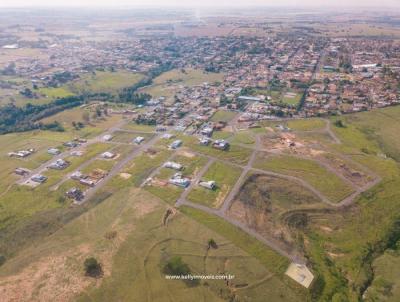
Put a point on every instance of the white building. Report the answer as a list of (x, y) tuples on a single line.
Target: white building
[(173, 165)]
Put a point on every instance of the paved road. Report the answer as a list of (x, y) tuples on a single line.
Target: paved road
[(155, 172), (272, 243), (82, 166), (194, 182), (235, 190), (118, 167), (63, 155)]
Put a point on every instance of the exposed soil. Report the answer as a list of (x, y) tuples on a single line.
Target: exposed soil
[(263, 200)]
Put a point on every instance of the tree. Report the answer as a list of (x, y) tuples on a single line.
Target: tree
[(2, 260), (212, 244), (98, 111), (340, 124), (92, 267), (175, 266)]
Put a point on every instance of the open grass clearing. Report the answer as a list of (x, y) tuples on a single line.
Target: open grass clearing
[(223, 116)]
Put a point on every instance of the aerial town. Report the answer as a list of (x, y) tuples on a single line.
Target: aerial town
[(228, 155)]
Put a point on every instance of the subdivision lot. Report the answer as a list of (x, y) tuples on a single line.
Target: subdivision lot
[(170, 193), (223, 116), (329, 184), (225, 177)]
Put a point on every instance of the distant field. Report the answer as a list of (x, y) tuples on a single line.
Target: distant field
[(100, 81), (335, 189), (223, 116), (95, 127), (236, 154), (168, 83), (53, 93), (306, 124), (140, 128), (105, 81), (225, 176), (291, 98)]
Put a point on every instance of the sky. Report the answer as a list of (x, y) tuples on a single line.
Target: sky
[(197, 3)]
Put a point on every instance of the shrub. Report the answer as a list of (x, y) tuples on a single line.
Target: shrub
[(92, 267), (175, 266)]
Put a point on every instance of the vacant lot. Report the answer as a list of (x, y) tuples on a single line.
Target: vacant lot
[(168, 83), (223, 116), (105, 81), (268, 205), (326, 182), (307, 124)]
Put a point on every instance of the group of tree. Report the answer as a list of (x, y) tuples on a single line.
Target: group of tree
[(18, 119), (130, 94)]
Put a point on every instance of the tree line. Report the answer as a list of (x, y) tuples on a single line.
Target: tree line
[(19, 119)]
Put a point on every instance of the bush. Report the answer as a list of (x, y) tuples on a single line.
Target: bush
[(212, 244), (175, 266), (340, 124), (92, 267)]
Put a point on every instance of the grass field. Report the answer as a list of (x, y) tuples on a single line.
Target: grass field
[(272, 261), (225, 176), (54, 93), (223, 116), (171, 193), (105, 81), (385, 286), (139, 128), (335, 189), (222, 135), (243, 137), (167, 84), (235, 154), (95, 126), (343, 245), (127, 137), (112, 232), (307, 124)]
